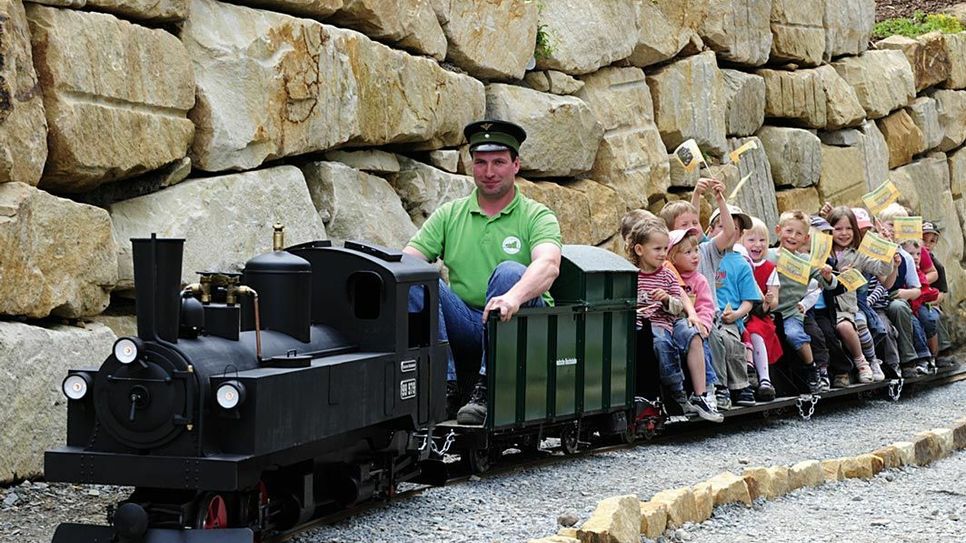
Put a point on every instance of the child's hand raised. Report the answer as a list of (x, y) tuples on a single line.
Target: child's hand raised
[(827, 273), (703, 185)]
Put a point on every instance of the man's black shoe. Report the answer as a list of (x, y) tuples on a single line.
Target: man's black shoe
[(474, 412)]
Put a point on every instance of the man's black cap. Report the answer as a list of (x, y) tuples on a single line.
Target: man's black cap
[(493, 135)]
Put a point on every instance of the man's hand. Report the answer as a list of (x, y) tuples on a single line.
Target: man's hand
[(506, 305)]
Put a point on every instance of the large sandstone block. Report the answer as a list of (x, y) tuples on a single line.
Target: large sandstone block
[(843, 179), (925, 115), (739, 31), (116, 97), (357, 206), (903, 137), (757, 195), (562, 132), (795, 155), (154, 11), (571, 207), (883, 80), (745, 96), (956, 53), (681, 506), (606, 207), (926, 55), (225, 220), (23, 126), (957, 172), (951, 106), (798, 31), (689, 102), (615, 520), (654, 518), (729, 488), (875, 151), (310, 8), (410, 24), (631, 158), (848, 29), (587, 34), (311, 88), (665, 28), (423, 188), (34, 415), (59, 257), (806, 199), (925, 188), (816, 98), (501, 52)]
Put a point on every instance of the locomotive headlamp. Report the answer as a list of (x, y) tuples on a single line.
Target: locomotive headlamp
[(230, 394), (76, 385), (126, 350)]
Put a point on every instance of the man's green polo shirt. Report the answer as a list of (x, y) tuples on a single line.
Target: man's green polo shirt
[(472, 244)]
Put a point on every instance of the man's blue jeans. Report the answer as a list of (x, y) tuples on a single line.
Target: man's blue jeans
[(461, 324)]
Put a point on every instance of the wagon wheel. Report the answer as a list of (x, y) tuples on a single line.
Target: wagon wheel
[(568, 439), (628, 436), (212, 512), (477, 460)]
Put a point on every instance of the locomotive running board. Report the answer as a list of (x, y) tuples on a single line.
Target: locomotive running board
[(88, 533)]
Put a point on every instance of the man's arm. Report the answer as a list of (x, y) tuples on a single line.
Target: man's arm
[(412, 251), (543, 269)]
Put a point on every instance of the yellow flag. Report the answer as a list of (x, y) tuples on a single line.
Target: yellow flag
[(793, 267), (689, 155), (745, 147), (881, 197), (852, 279), (907, 228), (821, 248), (875, 247)]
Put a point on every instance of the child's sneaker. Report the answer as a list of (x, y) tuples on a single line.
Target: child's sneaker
[(722, 398), (766, 392), (814, 378), (877, 374), (841, 381), (680, 398), (745, 397), (865, 372), (922, 367), (704, 410), (711, 400), (824, 384)]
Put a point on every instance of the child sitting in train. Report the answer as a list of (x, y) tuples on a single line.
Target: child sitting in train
[(930, 237), (923, 307), (659, 297), (737, 293), (760, 332), (848, 319), (793, 236)]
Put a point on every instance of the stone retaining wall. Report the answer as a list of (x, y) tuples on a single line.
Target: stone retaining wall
[(211, 120)]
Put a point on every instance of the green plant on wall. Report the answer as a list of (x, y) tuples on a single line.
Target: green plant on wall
[(544, 47), (917, 25)]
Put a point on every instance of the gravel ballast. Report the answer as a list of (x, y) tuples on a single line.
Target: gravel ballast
[(524, 504)]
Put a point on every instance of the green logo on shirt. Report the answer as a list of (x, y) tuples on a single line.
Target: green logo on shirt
[(511, 245)]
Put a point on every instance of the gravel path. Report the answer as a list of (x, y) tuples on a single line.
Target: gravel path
[(921, 505), (525, 504)]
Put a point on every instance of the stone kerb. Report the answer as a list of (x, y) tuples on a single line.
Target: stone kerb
[(310, 88), (23, 125), (116, 97)]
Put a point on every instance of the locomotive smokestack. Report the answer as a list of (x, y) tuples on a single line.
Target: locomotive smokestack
[(157, 283)]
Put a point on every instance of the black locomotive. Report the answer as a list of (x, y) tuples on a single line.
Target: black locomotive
[(253, 402)]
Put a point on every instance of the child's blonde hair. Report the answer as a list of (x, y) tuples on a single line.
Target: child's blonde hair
[(891, 212), (914, 243), (690, 240), (633, 217), (639, 235), (758, 226), (672, 210), (794, 215)]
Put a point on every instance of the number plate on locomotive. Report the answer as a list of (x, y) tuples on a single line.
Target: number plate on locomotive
[(407, 389)]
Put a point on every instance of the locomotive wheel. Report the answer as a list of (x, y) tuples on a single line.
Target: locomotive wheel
[(568, 440), (212, 512)]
